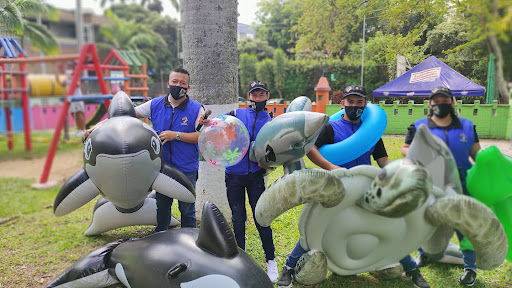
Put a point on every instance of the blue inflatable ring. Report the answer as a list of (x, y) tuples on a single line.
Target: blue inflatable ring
[(374, 124)]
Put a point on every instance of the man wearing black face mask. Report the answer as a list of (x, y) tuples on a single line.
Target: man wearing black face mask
[(460, 136), (354, 102), (175, 117), (247, 175)]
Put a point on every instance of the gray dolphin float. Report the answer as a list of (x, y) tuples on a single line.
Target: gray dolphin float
[(288, 137), (122, 164), (365, 218), (187, 257)]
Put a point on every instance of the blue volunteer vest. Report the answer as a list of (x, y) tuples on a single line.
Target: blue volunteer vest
[(458, 139), (344, 129), (253, 121), (184, 156)]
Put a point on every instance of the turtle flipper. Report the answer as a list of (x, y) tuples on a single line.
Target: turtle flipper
[(92, 270), (76, 192), (302, 186), (392, 271), (476, 222), (435, 156), (311, 268), (174, 184)]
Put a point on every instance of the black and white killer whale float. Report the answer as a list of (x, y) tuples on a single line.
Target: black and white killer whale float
[(184, 257), (122, 163)]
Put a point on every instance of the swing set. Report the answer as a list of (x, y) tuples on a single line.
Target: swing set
[(87, 60)]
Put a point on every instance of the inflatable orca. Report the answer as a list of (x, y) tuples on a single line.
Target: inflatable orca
[(186, 257), (122, 164)]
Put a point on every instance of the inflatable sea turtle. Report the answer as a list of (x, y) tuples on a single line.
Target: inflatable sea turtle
[(366, 218)]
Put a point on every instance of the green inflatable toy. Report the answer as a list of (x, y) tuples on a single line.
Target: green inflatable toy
[(490, 181)]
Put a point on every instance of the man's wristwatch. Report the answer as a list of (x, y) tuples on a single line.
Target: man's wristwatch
[(178, 136)]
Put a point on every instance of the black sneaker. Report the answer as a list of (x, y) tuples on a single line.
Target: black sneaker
[(286, 279), (422, 260), (468, 278), (416, 278)]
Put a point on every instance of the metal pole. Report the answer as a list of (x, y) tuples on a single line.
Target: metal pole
[(362, 57), (79, 28), (42, 65)]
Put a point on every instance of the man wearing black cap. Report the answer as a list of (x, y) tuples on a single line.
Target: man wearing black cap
[(354, 102), (247, 175), (460, 136)]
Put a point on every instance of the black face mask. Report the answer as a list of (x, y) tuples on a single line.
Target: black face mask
[(259, 106), (354, 112), (442, 110), (177, 92)]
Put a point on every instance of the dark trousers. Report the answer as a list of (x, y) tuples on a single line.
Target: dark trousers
[(187, 210), (236, 185)]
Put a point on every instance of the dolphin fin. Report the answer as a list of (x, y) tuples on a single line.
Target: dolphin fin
[(76, 192), (173, 183), (91, 270), (215, 235)]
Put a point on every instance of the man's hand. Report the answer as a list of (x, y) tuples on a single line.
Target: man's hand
[(167, 135)]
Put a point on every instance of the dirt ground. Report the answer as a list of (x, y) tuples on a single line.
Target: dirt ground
[(67, 163)]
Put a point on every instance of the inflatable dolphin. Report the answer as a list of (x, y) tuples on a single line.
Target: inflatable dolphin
[(186, 257), (287, 137), (122, 164)]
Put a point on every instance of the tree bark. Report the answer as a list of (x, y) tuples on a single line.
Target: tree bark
[(210, 55), (501, 84)]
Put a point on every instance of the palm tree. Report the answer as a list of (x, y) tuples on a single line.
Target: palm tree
[(131, 35), (210, 55), (13, 24), (154, 3)]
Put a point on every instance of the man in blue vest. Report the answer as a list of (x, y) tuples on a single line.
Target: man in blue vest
[(354, 103), (247, 175), (175, 117), (460, 136)]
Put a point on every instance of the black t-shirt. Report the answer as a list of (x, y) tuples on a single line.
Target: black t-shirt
[(411, 130), (327, 137)]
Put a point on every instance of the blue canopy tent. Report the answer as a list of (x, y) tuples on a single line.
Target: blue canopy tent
[(422, 78)]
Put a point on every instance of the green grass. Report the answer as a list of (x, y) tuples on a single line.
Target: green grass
[(36, 246)]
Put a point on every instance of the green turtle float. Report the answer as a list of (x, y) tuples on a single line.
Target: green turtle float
[(365, 218)]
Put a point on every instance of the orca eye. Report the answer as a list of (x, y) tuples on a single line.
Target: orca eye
[(155, 144), (88, 149)]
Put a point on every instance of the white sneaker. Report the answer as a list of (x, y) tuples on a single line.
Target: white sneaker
[(272, 270), (79, 133)]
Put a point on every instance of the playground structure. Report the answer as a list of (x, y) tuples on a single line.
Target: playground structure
[(15, 87), (88, 61)]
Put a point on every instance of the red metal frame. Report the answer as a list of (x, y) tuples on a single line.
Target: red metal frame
[(88, 49)]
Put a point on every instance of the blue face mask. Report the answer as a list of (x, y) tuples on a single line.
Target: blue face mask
[(259, 106), (177, 92)]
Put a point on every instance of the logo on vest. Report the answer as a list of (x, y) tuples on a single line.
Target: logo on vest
[(463, 137), (184, 121)]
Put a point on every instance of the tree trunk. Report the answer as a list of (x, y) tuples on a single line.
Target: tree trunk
[(210, 55), (501, 84)]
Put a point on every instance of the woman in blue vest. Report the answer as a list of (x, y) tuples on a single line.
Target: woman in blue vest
[(247, 175), (460, 136), (175, 117), (354, 102)]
